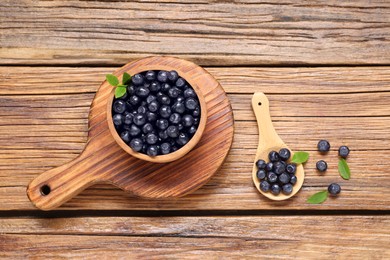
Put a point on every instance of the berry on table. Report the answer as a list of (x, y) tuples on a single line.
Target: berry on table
[(321, 166), (334, 189), (343, 151), (323, 146)]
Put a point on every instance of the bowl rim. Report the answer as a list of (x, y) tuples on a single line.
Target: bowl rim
[(171, 156)]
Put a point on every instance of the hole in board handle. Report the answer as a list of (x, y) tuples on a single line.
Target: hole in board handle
[(45, 190), (259, 103)]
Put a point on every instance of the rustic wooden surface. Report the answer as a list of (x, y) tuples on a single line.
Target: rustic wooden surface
[(54, 55)]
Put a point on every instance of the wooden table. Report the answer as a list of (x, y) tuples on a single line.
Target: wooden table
[(323, 65)]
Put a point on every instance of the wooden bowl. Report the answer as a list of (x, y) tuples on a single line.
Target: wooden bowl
[(156, 65)]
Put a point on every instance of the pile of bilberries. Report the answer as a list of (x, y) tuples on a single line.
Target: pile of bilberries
[(158, 114), (277, 175)]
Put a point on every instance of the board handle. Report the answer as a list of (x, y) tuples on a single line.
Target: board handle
[(267, 134), (58, 185)]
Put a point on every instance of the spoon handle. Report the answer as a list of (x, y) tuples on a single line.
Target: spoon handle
[(267, 135)]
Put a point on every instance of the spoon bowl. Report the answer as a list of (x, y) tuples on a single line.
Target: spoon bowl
[(269, 141)]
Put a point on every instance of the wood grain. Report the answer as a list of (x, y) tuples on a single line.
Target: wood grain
[(207, 32), (40, 130), (106, 159), (309, 237)]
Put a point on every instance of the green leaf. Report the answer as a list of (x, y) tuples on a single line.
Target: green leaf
[(318, 198), (113, 80), (344, 171), (122, 86), (120, 91), (126, 78), (300, 157)]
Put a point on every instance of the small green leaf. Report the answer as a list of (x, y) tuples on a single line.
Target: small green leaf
[(318, 198), (120, 91), (122, 86), (300, 157), (126, 78), (344, 171), (113, 80)]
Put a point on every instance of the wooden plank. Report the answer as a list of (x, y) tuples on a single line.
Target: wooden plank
[(210, 33), (40, 130), (317, 237), (237, 80)]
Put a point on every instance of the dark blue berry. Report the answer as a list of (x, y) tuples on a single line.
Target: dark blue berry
[(284, 154), (174, 92), (192, 130), (165, 87), (178, 107), (147, 128), (136, 144), (180, 82), (187, 120), (173, 76), (196, 121), (261, 174), (151, 138), (261, 164), (279, 168), (137, 79), (334, 189), (152, 150), (273, 156), (269, 166), (293, 179), (150, 98), (191, 103), (134, 100), (119, 106), (272, 177), (182, 139), (275, 189), (150, 75), (164, 99), (128, 118), (130, 90), (142, 92), (284, 178), (291, 168), (196, 112), (175, 118), (153, 106), (180, 126), (162, 124), (321, 166), (139, 119), (165, 111), (173, 131), (265, 186), (287, 189), (323, 146), (125, 135), (165, 148), (163, 134), (152, 117), (117, 119), (155, 86), (189, 92), (134, 130), (141, 110), (162, 76), (343, 151)]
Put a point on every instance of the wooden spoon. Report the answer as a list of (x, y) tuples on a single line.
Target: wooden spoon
[(269, 141)]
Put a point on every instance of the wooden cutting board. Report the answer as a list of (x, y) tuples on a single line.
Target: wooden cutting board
[(104, 161)]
